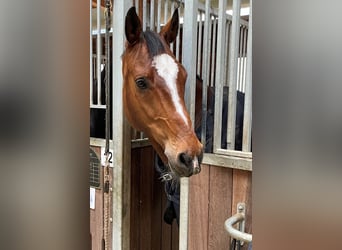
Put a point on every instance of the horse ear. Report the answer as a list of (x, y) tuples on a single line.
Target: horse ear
[(133, 27), (170, 30)]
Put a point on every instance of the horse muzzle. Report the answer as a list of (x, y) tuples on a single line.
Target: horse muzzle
[(186, 165)]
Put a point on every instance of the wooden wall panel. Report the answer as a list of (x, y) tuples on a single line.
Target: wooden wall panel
[(146, 180), (148, 230), (96, 225), (156, 208), (220, 202), (166, 230), (213, 198), (242, 192), (96, 215), (96, 220), (175, 236), (198, 210), (135, 200)]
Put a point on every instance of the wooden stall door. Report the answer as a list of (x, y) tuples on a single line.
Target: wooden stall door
[(148, 200), (213, 197)]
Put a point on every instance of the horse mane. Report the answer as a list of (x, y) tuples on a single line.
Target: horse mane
[(154, 44)]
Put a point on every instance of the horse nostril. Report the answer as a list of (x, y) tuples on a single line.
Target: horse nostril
[(185, 159)]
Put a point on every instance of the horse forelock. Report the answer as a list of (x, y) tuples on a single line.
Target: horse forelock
[(155, 45)]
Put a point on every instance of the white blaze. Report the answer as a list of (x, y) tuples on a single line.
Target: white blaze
[(167, 68)]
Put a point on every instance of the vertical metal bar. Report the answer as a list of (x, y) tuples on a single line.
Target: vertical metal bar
[(244, 58), (121, 133), (172, 10), (199, 43), (229, 41), (225, 77), (144, 19), (219, 74), (91, 54), (189, 57), (152, 15), (159, 16), (107, 65), (137, 6), (172, 7), (239, 86), (214, 43), (247, 119), (165, 11), (94, 76), (206, 64), (98, 51), (234, 46), (178, 45)]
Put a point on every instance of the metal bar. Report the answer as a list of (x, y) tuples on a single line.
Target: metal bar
[(213, 11), (144, 19), (172, 10), (159, 15), (136, 4), (244, 58), (152, 15), (234, 233), (172, 7), (239, 86), (98, 50), (219, 75), (121, 133), (247, 119), (225, 78), (233, 75), (98, 106), (178, 45), (94, 76), (189, 50), (107, 68), (189, 56), (241, 208), (91, 55), (199, 44), (206, 64), (241, 59), (165, 11), (214, 43)]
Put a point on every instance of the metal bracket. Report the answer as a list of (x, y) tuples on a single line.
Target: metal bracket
[(241, 208), (239, 217)]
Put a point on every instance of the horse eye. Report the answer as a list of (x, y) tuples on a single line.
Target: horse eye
[(141, 83)]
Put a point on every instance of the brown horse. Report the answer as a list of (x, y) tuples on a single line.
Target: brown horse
[(153, 95)]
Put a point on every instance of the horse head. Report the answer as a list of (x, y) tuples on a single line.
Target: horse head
[(153, 95)]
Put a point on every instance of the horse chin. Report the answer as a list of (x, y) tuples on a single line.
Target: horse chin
[(178, 171)]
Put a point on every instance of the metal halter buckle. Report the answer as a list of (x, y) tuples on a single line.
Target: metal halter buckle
[(166, 177)]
